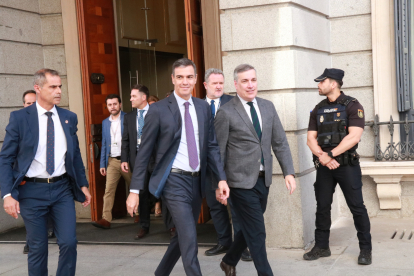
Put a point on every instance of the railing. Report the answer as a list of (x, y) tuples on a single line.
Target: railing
[(402, 150)]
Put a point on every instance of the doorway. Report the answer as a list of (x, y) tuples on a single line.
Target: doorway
[(129, 42)]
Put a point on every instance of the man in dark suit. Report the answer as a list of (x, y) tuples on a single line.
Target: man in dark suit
[(43, 173), (214, 84), (247, 129), (180, 129), (131, 140)]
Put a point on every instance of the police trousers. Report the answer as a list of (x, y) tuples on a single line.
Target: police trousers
[(349, 179)]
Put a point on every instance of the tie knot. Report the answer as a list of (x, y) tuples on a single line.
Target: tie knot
[(250, 103), (141, 112), (186, 104), (212, 101), (49, 114)]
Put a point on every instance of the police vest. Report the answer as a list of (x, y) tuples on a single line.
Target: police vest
[(332, 122)]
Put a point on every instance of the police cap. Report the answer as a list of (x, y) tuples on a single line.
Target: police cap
[(332, 73)]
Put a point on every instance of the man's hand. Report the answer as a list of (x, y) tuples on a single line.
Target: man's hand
[(102, 171), (88, 196), (324, 158), (124, 166), (223, 192), (333, 164), (11, 206), (290, 183), (132, 204)]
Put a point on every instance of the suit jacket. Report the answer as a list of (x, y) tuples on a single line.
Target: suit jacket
[(161, 136), (106, 139), (20, 146), (241, 148), (210, 179)]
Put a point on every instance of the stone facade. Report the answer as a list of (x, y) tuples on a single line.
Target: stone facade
[(31, 37)]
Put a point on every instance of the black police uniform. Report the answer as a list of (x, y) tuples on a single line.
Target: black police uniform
[(332, 120)]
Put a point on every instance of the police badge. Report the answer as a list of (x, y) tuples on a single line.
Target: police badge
[(321, 119), (360, 113)]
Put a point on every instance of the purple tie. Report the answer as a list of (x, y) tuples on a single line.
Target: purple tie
[(191, 143)]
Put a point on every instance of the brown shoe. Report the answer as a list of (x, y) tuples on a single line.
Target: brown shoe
[(172, 232), (228, 269), (141, 233), (102, 223), (136, 219)]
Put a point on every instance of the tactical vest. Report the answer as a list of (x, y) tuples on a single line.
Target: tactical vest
[(332, 122)]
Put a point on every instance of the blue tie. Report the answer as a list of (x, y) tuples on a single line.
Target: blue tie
[(140, 123), (50, 144), (213, 108)]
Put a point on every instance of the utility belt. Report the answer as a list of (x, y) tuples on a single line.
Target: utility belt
[(350, 158)]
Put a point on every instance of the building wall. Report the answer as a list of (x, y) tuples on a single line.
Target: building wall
[(31, 37)]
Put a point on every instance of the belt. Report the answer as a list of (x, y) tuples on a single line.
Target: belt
[(46, 180), (261, 174), (117, 158), (194, 174)]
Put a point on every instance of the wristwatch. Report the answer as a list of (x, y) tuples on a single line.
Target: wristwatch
[(330, 154)]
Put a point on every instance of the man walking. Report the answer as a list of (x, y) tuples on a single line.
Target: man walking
[(131, 141), (43, 173), (179, 132), (110, 165), (214, 83), (335, 128), (247, 129)]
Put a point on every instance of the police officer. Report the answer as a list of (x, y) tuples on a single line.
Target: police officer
[(335, 128)]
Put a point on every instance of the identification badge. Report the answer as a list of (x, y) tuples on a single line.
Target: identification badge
[(138, 141), (115, 145), (321, 119)]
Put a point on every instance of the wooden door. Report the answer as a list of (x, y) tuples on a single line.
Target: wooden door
[(98, 53), (195, 53)]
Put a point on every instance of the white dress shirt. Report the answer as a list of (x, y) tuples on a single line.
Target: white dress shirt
[(217, 103), (256, 107), (116, 136), (144, 114), (181, 160)]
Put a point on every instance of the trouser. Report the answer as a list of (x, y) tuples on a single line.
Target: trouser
[(113, 175), (221, 219), (349, 179), (182, 195), (38, 201), (249, 206)]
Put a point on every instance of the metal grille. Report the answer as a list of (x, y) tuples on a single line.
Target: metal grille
[(396, 150)]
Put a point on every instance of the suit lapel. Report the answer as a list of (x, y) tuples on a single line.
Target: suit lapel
[(33, 121), (242, 112), (134, 122), (64, 121), (200, 120), (173, 106)]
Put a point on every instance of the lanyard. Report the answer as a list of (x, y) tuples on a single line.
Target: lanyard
[(116, 129)]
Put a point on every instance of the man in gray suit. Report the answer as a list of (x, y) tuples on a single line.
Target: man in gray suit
[(247, 128)]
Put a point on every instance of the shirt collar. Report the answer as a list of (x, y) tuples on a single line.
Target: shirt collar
[(337, 99), (245, 102), (117, 119), (145, 108), (41, 110), (181, 101), (209, 100)]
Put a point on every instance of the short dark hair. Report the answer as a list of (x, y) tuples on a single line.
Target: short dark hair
[(113, 96), (183, 62), (141, 88), (40, 76), (240, 69), (28, 92), (339, 82)]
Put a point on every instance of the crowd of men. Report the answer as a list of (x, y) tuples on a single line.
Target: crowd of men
[(172, 153)]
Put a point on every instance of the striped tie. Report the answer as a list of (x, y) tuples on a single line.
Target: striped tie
[(50, 144)]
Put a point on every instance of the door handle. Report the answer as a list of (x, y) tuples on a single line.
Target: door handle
[(97, 150)]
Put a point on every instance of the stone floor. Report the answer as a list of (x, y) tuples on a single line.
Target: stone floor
[(390, 256)]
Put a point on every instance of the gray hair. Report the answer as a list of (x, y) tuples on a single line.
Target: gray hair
[(183, 62), (40, 76), (242, 68), (211, 71)]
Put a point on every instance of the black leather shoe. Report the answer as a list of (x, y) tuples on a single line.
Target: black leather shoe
[(50, 233), (365, 257), (26, 249), (246, 256), (316, 253), (228, 269), (216, 250)]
